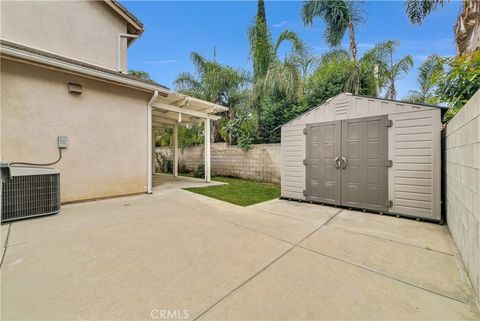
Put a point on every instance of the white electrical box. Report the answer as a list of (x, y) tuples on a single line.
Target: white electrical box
[(62, 141)]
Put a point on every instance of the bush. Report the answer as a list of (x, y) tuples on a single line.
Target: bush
[(182, 168), (165, 163), (200, 171), (459, 82)]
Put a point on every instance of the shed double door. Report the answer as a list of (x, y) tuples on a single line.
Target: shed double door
[(346, 163)]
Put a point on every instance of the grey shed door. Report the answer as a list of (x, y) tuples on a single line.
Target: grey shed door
[(323, 146), (364, 182)]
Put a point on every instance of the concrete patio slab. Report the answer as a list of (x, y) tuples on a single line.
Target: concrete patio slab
[(167, 183), (430, 270), (281, 227), (179, 251), (174, 259), (422, 234), (82, 217), (298, 210), (308, 286)]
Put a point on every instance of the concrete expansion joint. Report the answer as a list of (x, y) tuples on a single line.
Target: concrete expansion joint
[(394, 241), (384, 275), (5, 246), (294, 245)]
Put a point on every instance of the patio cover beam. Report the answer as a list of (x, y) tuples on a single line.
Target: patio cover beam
[(185, 111)]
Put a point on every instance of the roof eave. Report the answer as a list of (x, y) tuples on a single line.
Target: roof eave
[(128, 16)]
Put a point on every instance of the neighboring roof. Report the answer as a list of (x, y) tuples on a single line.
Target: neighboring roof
[(443, 108), (127, 15), (12, 45)]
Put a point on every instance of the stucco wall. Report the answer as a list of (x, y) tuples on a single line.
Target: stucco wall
[(84, 30), (106, 126), (462, 184), (261, 162)]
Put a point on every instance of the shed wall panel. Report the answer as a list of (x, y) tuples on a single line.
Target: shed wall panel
[(293, 153), (414, 148)]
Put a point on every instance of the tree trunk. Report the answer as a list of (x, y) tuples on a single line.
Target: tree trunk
[(467, 28), (353, 44)]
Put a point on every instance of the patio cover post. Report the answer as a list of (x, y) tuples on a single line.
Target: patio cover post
[(207, 150), (175, 150), (149, 149)]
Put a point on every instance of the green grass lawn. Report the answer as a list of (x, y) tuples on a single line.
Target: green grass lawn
[(239, 191)]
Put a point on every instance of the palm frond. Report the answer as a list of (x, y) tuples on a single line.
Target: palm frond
[(417, 10), (402, 66), (286, 35)]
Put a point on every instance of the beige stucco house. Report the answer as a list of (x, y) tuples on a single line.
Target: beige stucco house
[(63, 73)]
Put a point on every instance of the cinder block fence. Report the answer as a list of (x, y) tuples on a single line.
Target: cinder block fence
[(461, 142), (260, 163)]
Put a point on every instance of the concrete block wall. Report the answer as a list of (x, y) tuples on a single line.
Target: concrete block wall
[(261, 162), (462, 184)]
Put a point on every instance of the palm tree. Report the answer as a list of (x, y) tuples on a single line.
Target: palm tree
[(284, 75), (339, 16), (417, 10), (217, 83), (213, 82), (426, 81), (260, 43), (270, 73), (388, 70), (467, 21)]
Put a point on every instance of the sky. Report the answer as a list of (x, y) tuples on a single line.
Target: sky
[(173, 29)]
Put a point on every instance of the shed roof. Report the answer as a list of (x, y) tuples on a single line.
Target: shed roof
[(361, 96)]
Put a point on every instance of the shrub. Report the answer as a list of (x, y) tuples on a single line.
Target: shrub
[(165, 163), (459, 82), (200, 171), (182, 168)]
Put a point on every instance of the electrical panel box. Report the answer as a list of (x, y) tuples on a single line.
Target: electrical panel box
[(62, 141)]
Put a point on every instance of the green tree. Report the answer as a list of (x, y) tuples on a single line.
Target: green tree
[(459, 82), (428, 70), (217, 83), (260, 43), (140, 74), (417, 10), (213, 82), (333, 77), (270, 73), (389, 70), (339, 16)]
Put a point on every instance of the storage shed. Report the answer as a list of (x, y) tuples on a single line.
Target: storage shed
[(366, 153)]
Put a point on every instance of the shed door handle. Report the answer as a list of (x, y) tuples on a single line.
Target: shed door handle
[(344, 162), (336, 161)]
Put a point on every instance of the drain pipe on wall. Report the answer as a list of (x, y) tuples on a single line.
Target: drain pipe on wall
[(119, 49), (149, 142)]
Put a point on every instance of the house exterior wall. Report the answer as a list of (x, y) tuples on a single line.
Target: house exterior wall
[(424, 119), (462, 184), (82, 30), (100, 123)]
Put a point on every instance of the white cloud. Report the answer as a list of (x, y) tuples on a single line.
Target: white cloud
[(282, 24), (159, 62), (366, 45)]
